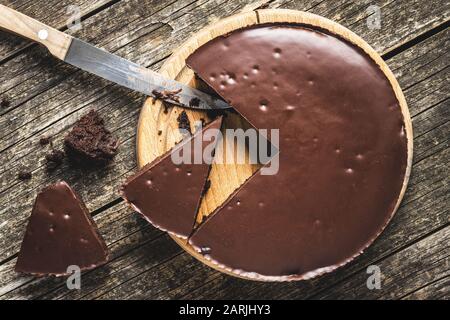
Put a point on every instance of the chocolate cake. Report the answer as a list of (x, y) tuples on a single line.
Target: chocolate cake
[(89, 142), (60, 233), (54, 159), (343, 151), (168, 194)]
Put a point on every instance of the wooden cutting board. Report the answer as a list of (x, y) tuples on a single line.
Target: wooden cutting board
[(158, 126)]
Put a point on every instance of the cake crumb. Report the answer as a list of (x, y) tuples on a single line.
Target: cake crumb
[(24, 175)]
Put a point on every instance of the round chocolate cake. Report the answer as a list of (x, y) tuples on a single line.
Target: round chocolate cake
[(343, 151)]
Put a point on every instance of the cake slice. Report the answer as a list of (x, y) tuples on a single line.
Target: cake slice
[(168, 194), (60, 233)]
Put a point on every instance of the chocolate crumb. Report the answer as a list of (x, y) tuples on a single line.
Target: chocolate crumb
[(194, 102), (183, 122), (156, 95), (264, 5), (54, 159), (199, 124), (214, 113), (44, 141), (5, 103), (159, 132), (24, 175), (89, 142)]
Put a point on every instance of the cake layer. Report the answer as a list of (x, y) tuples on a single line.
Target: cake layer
[(343, 151)]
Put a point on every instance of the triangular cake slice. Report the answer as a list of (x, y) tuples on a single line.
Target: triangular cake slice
[(168, 194), (343, 155), (60, 233)]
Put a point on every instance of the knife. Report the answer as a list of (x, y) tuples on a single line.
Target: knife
[(107, 65)]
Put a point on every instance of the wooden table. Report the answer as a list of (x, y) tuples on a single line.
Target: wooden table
[(47, 96)]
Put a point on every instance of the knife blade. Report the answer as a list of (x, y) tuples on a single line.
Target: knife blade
[(106, 65), (138, 78)]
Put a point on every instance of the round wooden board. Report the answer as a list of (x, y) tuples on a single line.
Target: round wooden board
[(158, 128)]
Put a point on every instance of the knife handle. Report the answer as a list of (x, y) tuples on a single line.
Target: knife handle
[(57, 42)]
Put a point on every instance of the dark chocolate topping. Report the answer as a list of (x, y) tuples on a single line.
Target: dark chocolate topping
[(60, 233), (24, 175), (343, 151), (168, 194)]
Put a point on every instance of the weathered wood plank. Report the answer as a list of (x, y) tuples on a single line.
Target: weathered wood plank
[(322, 8), (197, 271)]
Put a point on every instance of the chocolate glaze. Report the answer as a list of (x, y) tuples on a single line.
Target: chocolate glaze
[(168, 195), (60, 233), (343, 151)]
